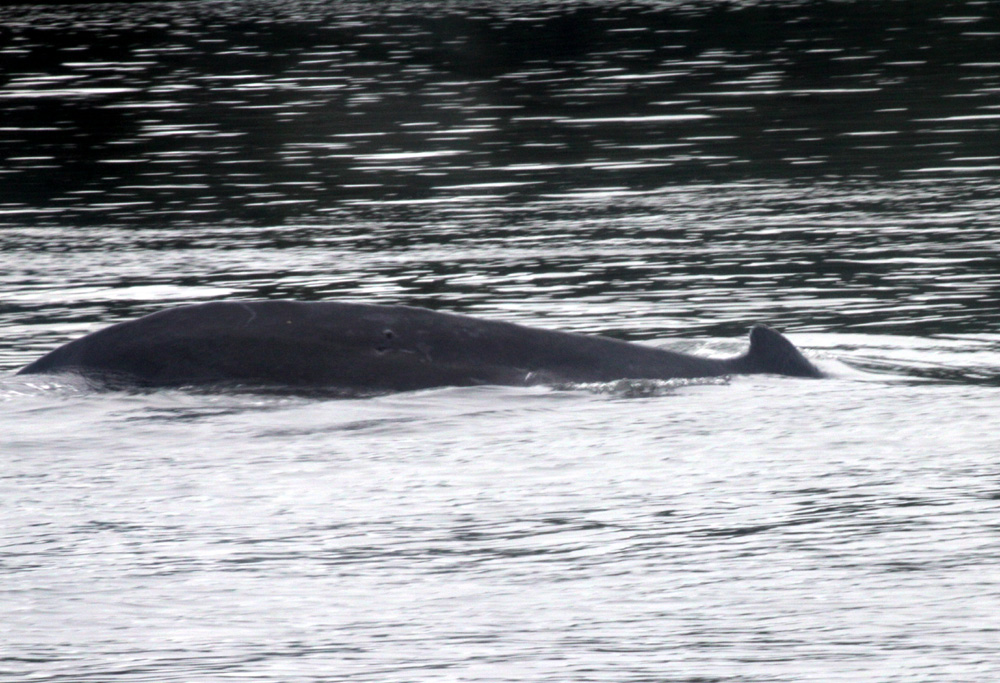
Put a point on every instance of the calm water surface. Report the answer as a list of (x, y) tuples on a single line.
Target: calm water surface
[(668, 173)]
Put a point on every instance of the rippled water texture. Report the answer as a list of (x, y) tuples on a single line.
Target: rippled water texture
[(276, 110), (663, 172)]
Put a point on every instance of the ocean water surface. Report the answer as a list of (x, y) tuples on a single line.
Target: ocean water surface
[(668, 173)]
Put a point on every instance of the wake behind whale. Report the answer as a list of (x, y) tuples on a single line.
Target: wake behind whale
[(366, 348)]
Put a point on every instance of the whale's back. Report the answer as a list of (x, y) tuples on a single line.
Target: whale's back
[(365, 347)]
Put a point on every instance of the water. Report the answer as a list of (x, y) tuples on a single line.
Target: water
[(668, 173)]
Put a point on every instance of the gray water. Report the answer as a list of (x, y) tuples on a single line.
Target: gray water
[(668, 173)]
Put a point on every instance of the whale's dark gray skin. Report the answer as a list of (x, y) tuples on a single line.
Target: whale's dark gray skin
[(364, 348)]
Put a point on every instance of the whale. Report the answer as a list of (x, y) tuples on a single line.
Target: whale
[(360, 348)]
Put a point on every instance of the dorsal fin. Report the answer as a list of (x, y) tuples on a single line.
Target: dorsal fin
[(771, 352)]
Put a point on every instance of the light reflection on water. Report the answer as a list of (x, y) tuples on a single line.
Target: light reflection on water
[(409, 535), (288, 110), (698, 260)]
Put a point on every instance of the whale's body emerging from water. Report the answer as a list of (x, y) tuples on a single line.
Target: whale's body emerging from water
[(363, 348)]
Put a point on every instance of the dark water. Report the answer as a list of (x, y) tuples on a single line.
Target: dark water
[(666, 172), (279, 111)]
